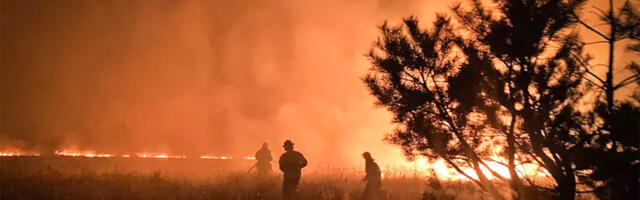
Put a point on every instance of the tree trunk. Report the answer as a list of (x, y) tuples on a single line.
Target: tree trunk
[(511, 151), (566, 188), (612, 40), (564, 177)]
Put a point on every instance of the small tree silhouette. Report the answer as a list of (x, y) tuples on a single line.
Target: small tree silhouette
[(506, 79), (410, 76)]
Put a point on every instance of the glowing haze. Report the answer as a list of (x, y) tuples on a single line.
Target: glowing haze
[(195, 77)]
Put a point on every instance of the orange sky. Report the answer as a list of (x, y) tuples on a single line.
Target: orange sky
[(195, 77)]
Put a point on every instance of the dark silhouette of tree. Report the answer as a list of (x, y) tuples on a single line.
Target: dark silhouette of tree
[(410, 75), (615, 139), (623, 26), (540, 65), (508, 78)]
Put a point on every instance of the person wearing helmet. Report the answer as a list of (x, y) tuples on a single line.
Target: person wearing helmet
[(263, 161), (372, 188), (291, 164)]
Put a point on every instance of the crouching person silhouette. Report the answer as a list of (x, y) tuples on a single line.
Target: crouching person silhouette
[(372, 189), (291, 164)]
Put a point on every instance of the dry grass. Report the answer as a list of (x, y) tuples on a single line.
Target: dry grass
[(45, 179)]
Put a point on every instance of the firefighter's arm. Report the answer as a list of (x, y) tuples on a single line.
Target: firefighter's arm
[(281, 164), (303, 161)]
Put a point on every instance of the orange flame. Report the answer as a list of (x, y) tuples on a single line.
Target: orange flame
[(94, 154), (87, 154), (160, 156), (209, 157), (442, 170), (18, 153)]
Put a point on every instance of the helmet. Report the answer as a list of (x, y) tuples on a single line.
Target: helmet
[(367, 155), (287, 143)]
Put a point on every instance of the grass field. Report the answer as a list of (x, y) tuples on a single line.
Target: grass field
[(91, 178)]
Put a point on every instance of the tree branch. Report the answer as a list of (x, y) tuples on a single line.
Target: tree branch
[(595, 42), (455, 166), (627, 81), (594, 83), (590, 28), (493, 172), (587, 69)]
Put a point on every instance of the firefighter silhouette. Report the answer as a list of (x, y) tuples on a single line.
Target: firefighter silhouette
[(291, 164), (372, 188), (263, 161)]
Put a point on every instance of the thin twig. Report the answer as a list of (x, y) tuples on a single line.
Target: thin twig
[(627, 81), (590, 28), (596, 42), (587, 69)]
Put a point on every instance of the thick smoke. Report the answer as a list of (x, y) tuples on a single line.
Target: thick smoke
[(194, 77)]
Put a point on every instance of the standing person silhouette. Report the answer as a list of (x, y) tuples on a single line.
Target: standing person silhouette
[(372, 188), (263, 161), (291, 164)]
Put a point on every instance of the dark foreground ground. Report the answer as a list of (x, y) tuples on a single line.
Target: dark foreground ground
[(119, 178)]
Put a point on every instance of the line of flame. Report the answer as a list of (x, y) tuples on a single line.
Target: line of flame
[(421, 164), (11, 154), (92, 154)]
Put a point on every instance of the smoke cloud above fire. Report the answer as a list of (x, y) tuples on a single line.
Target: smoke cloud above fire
[(196, 77)]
